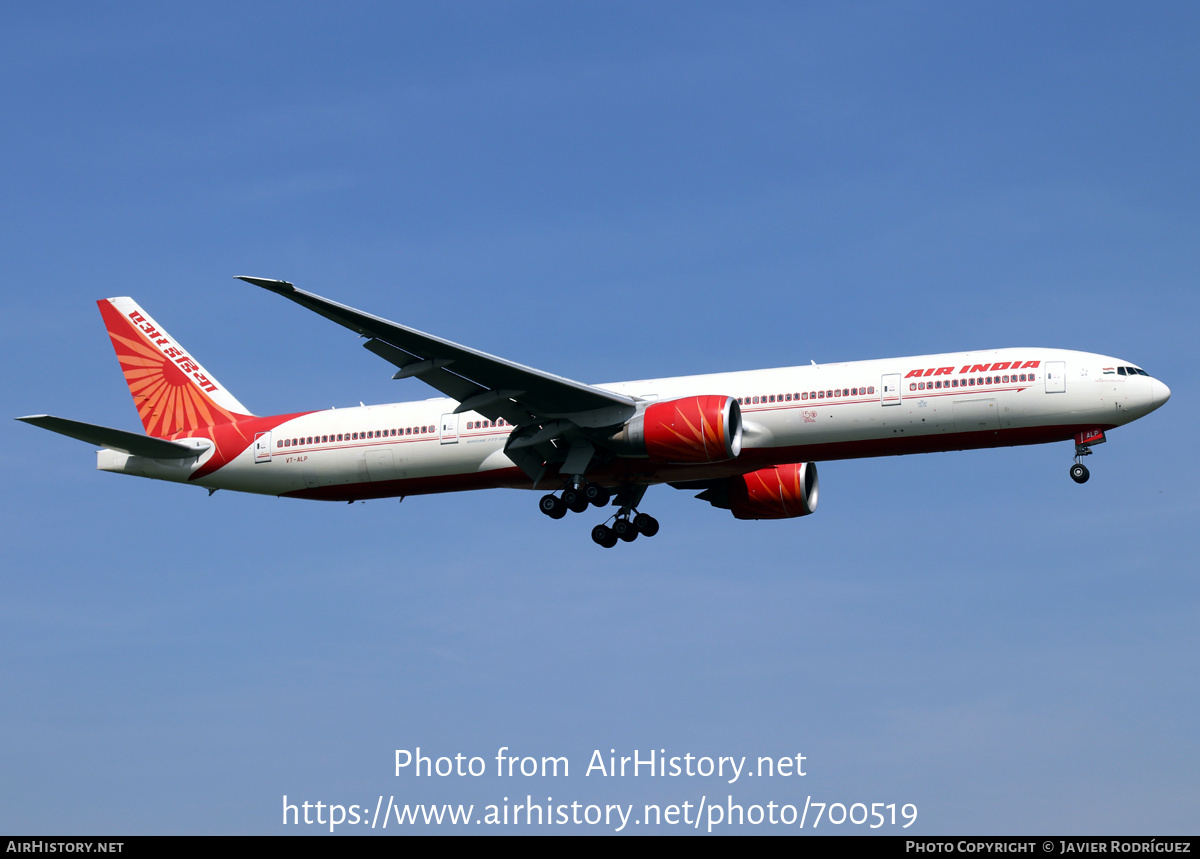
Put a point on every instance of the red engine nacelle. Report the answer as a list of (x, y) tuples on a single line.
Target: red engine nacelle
[(778, 492), (706, 428)]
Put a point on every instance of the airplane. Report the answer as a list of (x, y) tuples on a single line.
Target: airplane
[(747, 442)]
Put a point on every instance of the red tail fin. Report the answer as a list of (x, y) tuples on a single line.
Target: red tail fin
[(174, 395)]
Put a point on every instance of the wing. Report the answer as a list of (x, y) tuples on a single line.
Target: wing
[(551, 413)]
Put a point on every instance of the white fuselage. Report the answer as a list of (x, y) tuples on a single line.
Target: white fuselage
[(927, 403)]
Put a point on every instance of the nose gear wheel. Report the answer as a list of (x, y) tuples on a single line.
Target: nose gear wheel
[(1079, 471)]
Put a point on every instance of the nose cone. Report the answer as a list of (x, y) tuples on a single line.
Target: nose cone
[(1159, 393)]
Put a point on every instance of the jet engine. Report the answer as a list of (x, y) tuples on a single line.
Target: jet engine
[(705, 428), (776, 492)]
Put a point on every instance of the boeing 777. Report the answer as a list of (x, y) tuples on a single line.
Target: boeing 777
[(745, 441)]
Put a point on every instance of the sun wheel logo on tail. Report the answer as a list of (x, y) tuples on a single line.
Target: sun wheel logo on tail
[(177, 398), (776, 492), (173, 393), (692, 429)]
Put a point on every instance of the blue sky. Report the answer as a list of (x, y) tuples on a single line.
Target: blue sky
[(604, 191)]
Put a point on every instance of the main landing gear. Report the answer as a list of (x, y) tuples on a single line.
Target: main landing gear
[(624, 528), (577, 496)]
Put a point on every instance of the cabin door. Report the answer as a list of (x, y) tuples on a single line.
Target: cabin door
[(449, 431), (889, 389), (262, 447), (1056, 377)]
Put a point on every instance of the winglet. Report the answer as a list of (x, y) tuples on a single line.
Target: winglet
[(282, 287)]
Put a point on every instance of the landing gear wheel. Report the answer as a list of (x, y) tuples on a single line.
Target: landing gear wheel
[(602, 535), (1079, 473), (645, 524), (624, 529), (574, 499), (552, 506), (596, 494)]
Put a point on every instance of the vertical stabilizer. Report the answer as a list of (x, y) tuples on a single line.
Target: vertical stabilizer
[(172, 392)]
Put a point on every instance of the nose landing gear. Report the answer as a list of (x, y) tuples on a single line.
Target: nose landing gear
[(1083, 447)]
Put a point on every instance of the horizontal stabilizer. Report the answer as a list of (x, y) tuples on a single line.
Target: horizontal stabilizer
[(132, 443)]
